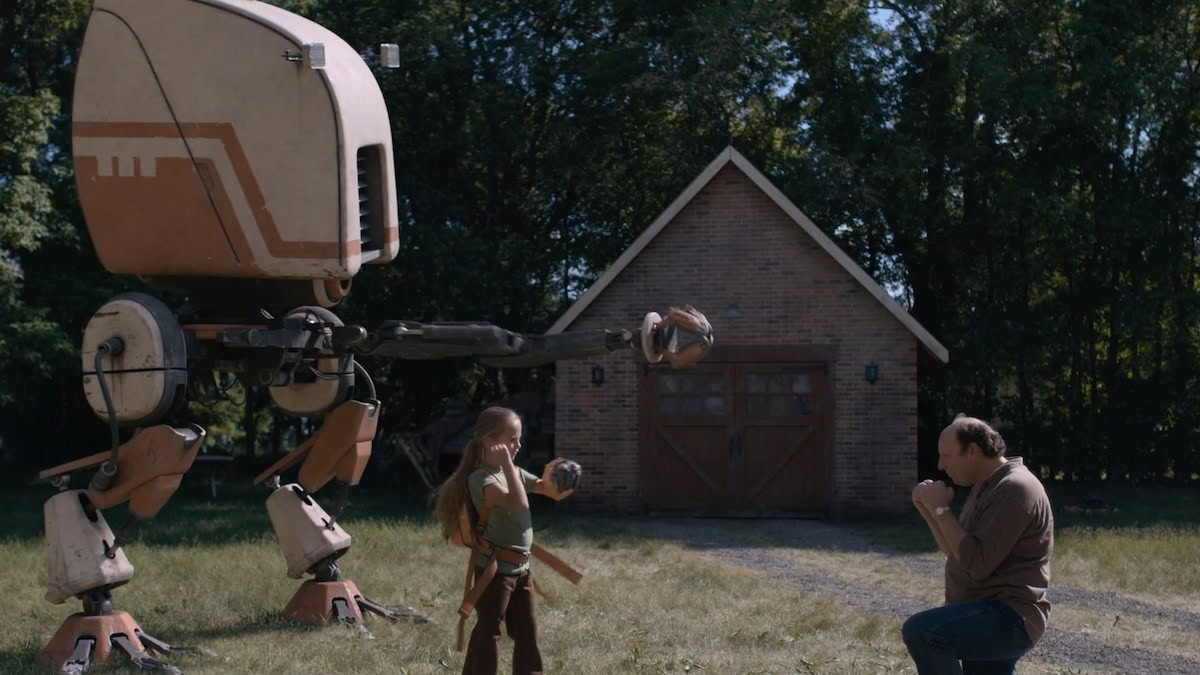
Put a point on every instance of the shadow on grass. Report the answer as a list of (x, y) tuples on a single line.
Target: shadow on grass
[(21, 660), (269, 622)]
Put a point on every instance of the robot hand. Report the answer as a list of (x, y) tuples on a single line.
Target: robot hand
[(560, 478), (683, 337)]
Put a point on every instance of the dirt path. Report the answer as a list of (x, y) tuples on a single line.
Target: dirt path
[(1064, 648)]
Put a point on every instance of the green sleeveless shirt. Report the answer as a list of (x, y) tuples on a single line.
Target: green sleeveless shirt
[(510, 529)]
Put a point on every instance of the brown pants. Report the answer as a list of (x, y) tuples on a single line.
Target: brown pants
[(508, 599)]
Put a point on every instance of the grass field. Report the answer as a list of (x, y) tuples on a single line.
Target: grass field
[(210, 574)]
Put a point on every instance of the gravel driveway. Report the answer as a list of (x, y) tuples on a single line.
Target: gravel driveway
[(1064, 648)]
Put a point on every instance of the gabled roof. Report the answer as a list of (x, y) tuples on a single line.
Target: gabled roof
[(729, 155)]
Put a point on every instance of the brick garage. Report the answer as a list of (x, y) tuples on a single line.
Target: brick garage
[(780, 419)]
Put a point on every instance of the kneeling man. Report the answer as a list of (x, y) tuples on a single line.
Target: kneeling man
[(997, 557)]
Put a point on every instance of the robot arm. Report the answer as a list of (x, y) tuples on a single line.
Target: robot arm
[(288, 349), (682, 342)]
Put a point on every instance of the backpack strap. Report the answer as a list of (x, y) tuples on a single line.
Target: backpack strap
[(481, 516), (472, 591), (485, 514), (473, 588)]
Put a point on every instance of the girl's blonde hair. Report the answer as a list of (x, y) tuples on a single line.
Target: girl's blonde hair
[(452, 495)]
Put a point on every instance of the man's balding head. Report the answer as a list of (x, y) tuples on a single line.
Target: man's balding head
[(967, 430)]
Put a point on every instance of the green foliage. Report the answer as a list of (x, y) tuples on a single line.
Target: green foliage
[(28, 217), (1025, 175), (49, 279)]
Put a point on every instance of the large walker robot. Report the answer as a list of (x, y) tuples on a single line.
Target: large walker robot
[(241, 155)]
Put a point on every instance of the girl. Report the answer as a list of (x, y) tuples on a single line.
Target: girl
[(493, 491)]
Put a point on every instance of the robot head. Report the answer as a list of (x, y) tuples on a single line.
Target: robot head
[(230, 147)]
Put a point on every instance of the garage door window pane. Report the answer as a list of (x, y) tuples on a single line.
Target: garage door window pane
[(788, 405), (668, 384), (802, 404), (690, 405), (756, 383), (780, 384), (714, 405), (801, 384)]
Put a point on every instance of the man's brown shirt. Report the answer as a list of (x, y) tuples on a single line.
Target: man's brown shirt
[(1005, 554)]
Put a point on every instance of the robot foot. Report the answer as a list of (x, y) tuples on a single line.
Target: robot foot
[(141, 658), (341, 602), (84, 639), (325, 602), (163, 647), (394, 612)]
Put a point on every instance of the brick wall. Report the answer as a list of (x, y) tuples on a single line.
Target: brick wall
[(731, 245)]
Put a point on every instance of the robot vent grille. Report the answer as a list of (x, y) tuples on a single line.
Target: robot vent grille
[(370, 193)]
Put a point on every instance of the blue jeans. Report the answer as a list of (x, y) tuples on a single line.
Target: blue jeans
[(988, 637)]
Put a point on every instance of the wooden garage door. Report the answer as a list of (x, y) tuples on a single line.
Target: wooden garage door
[(779, 439), (735, 439), (690, 414)]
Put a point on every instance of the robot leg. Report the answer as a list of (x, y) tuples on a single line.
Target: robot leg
[(80, 563), (312, 544)]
